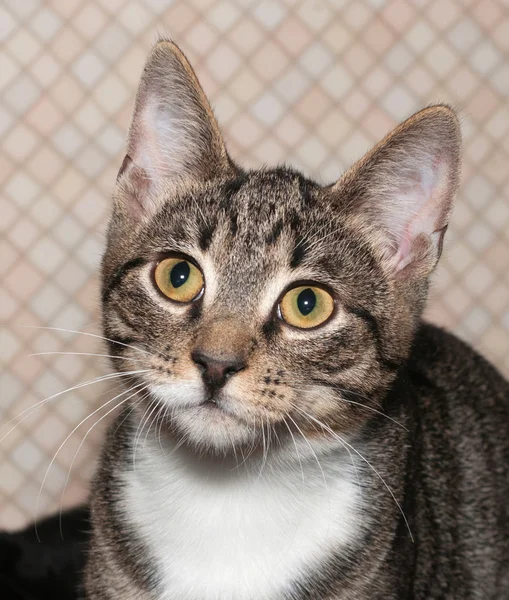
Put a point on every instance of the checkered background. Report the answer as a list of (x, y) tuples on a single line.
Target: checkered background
[(314, 83)]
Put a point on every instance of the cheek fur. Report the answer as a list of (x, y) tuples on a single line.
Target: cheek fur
[(262, 392)]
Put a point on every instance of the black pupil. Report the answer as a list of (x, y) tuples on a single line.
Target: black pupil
[(306, 301), (180, 274)]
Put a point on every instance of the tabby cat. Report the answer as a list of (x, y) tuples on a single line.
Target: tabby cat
[(295, 430)]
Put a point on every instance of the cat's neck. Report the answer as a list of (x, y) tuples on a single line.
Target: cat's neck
[(217, 526), (298, 458)]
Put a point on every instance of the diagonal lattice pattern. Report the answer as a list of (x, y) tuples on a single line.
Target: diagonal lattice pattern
[(313, 83)]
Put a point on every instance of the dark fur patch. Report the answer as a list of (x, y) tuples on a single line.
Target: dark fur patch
[(232, 187), (234, 224), (374, 328), (299, 252), (270, 328), (305, 193), (119, 275), (207, 233), (273, 236)]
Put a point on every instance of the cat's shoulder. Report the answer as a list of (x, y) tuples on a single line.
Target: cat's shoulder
[(453, 367)]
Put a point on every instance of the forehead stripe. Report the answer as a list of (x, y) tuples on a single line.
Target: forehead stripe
[(298, 253)]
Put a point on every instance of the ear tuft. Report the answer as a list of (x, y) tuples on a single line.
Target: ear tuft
[(174, 135), (404, 188)]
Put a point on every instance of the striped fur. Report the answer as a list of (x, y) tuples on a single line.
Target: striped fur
[(404, 427)]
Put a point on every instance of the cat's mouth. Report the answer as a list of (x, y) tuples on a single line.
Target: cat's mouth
[(190, 395), (215, 405), (192, 399), (205, 420), (211, 403)]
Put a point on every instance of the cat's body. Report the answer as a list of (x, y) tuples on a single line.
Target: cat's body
[(296, 432), (451, 481)]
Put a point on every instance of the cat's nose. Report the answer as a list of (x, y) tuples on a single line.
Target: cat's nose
[(215, 370)]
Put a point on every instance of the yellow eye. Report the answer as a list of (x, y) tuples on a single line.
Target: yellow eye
[(179, 279), (306, 306)]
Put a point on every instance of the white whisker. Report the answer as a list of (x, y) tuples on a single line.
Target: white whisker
[(141, 426), (264, 455), (94, 335), (150, 425), (312, 450), (296, 449), (62, 445), (251, 448), (78, 386), (306, 415), (346, 444), (162, 417), (83, 441), (85, 354), (371, 408), (131, 410)]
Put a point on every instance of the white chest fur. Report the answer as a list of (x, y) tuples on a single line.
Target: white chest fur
[(231, 535)]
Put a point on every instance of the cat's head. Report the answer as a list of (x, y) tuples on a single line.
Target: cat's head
[(262, 300)]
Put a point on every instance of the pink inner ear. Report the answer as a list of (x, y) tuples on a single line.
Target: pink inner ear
[(422, 209), (147, 144)]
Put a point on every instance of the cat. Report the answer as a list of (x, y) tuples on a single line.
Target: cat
[(295, 431)]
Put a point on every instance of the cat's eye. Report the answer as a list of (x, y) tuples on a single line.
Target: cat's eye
[(306, 306), (179, 279)]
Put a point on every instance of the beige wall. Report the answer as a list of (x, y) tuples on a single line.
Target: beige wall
[(313, 83)]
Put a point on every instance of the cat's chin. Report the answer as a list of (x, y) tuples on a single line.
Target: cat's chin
[(202, 424), (208, 427)]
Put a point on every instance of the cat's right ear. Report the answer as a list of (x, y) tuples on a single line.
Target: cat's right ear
[(174, 136)]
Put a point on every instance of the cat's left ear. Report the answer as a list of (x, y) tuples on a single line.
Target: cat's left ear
[(403, 190), (173, 136)]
